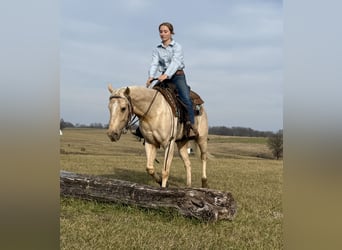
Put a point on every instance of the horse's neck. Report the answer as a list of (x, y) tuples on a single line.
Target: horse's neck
[(142, 99)]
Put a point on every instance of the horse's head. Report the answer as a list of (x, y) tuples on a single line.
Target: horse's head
[(120, 110)]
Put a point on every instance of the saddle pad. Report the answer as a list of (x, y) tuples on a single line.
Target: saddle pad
[(169, 96)]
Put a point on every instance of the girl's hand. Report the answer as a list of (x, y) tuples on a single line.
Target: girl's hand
[(162, 77)]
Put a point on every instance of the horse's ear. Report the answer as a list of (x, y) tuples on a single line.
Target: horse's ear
[(127, 90), (110, 88)]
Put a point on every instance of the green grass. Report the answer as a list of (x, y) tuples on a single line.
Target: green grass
[(239, 165)]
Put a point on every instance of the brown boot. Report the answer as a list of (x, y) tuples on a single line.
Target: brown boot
[(137, 133)]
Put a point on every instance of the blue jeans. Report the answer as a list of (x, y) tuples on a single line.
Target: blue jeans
[(184, 94)]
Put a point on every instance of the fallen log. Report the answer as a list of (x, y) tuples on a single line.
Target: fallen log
[(204, 204)]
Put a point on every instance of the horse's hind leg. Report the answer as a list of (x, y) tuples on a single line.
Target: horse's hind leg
[(151, 152), (183, 151)]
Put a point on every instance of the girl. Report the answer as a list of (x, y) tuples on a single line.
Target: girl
[(168, 63)]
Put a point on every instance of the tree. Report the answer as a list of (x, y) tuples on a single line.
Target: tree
[(207, 205), (275, 144), (63, 124), (96, 125)]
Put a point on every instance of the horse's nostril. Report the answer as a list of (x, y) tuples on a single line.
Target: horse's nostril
[(113, 136)]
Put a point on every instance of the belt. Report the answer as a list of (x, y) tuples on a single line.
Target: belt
[(180, 72)]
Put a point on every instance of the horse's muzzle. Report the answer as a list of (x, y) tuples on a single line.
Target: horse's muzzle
[(113, 136)]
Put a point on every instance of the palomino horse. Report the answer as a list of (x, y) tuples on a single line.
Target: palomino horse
[(159, 127)]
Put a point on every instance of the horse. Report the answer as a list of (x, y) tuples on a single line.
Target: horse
[(159, 126)]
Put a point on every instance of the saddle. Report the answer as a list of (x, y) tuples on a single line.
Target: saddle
[(168, 89)]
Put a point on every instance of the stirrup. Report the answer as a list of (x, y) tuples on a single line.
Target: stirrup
[(192, 131), (137, 133)]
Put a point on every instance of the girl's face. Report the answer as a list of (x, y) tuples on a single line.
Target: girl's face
[(165, 34)]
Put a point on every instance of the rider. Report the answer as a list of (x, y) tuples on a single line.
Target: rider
[(168, 61)]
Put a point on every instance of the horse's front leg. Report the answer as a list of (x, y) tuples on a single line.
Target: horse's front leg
[(183, 152), (151, 152), (169, 150)]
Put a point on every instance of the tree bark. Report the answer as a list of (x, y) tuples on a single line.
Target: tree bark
[(204, 204)]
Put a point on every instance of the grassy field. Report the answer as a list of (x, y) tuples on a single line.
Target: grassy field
[(240, 165)]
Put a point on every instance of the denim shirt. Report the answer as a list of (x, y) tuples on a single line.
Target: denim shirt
[(167, 60)]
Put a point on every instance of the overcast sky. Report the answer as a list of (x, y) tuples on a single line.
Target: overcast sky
[(233, 55)]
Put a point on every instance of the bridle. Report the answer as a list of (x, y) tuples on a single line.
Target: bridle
[(129, 122)]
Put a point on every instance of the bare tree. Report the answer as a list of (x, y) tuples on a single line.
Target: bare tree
[(275, 144)]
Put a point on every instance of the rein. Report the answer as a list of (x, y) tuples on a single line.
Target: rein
[(149, 107)]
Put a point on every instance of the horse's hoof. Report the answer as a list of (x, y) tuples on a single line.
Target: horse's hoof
[(167, 185), (205, 183)]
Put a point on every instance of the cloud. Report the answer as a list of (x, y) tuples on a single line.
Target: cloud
[(233, 55)]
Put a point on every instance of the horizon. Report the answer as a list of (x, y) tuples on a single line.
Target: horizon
[(79, 125)]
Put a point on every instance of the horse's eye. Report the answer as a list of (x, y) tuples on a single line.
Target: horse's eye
[(123, 109)]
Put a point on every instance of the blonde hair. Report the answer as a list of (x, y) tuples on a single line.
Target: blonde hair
[(168, 25)]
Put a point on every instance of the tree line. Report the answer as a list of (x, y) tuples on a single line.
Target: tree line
[(65, 124), (216, 130), (238, 131), (274, 141)]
